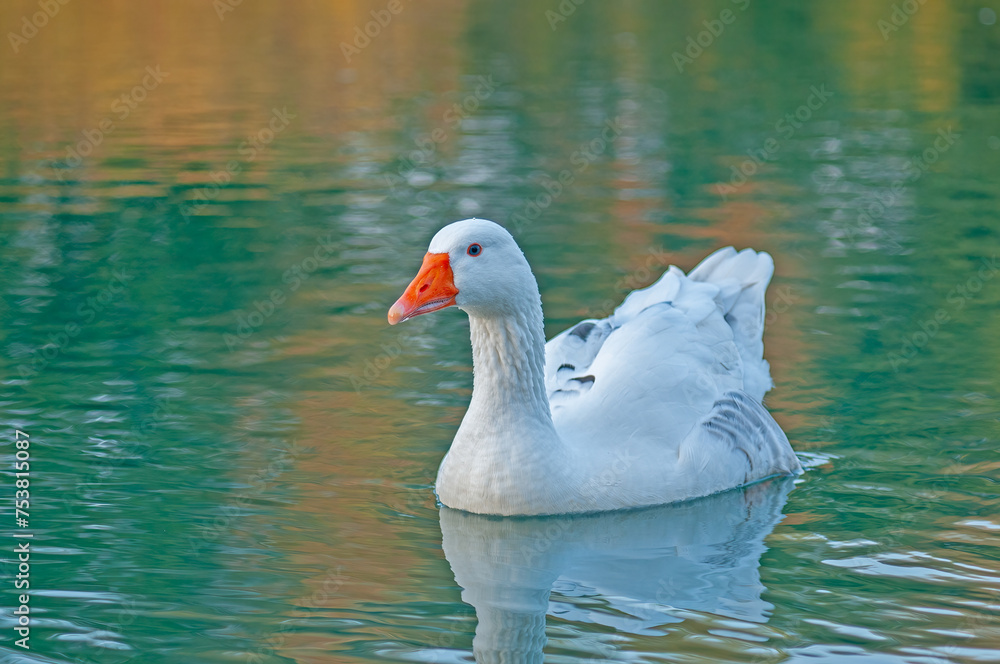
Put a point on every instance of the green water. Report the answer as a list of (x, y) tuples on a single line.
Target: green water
[(232, 453)]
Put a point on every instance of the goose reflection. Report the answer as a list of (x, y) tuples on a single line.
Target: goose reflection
[(646, 566)]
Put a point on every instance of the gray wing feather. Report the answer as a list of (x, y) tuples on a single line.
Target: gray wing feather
[(740, 425)]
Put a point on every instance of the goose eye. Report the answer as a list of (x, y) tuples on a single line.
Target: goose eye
[(474, 249)]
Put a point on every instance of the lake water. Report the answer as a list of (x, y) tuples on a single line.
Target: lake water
[(206, 210)]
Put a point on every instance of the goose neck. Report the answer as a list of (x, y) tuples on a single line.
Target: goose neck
[(508, 355)]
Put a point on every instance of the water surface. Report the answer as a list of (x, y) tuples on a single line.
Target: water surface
[(233, 453)]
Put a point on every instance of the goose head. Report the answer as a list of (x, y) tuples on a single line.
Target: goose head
[(475, 265)]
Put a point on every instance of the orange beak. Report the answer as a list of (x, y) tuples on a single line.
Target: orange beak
[(433, 288)]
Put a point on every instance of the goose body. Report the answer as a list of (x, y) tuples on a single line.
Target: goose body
[(657, 403)]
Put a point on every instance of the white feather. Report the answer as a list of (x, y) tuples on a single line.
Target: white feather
[(657, 403)]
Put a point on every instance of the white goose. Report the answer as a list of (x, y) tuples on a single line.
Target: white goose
[(657, 403)]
